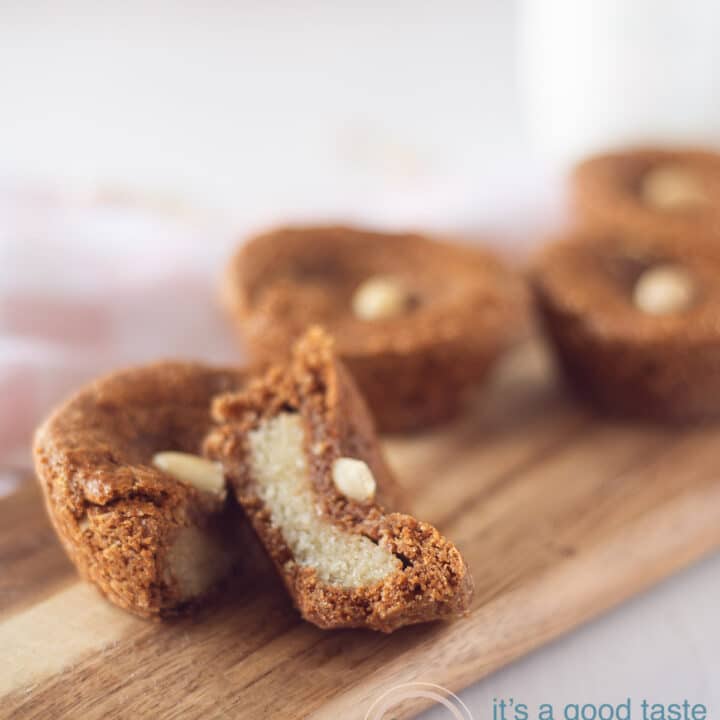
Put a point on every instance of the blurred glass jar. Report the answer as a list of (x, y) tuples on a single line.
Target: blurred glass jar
[(604, 73)]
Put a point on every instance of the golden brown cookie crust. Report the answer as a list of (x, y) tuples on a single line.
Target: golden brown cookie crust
[(628, 362), (412, 368), (115, 513), (434, 582), (606, 193)]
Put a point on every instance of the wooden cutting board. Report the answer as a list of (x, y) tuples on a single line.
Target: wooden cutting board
[(560, 515)]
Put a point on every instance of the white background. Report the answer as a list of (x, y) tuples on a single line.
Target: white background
[(402, 113)]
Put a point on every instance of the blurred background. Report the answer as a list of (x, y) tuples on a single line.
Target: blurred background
[(405, 112), (264, 109), (140, 141)]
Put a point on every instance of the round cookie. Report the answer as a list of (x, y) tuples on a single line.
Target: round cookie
[(152, 544), (416, 321), (635, 323), (648, 191)]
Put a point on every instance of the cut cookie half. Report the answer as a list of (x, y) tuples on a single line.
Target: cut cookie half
[(301, 453), (140, 514)]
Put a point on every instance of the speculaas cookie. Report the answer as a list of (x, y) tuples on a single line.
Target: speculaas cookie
[(151, 543), (299, 449), (650, 192), (416, 321), (635, 322)]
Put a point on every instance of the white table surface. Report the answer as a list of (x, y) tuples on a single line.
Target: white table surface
[(405, 114)]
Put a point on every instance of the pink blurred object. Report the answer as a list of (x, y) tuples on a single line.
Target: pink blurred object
[(88, 285)]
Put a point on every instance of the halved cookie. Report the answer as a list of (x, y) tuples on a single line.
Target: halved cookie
[(299, 448), (109, 462), (650, 191), (416, 321), (635, 322)]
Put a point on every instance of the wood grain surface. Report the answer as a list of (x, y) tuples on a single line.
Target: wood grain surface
[(560, 515)]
